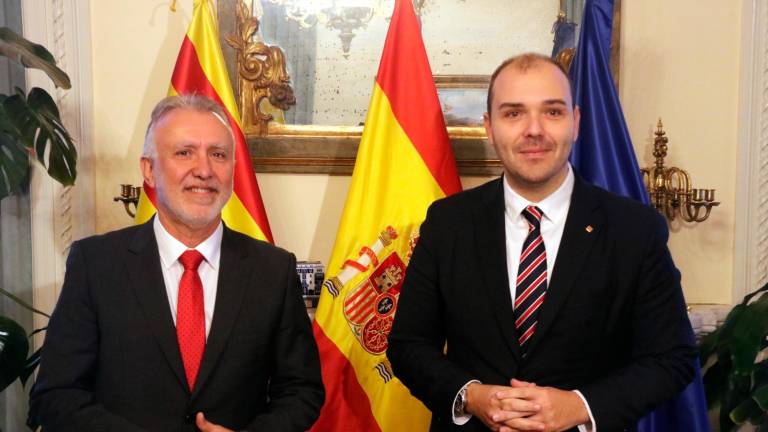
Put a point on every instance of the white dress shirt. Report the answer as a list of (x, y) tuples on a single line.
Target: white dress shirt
[(555, 211), (171, 249)]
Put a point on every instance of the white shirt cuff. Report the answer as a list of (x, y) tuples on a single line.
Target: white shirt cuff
[(591, 426), (461, 419)]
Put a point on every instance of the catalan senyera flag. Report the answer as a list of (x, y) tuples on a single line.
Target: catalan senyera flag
[(200, 69), (403, 164)]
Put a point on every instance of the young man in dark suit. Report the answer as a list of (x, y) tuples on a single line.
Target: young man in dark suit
[(538, 301), (180, 324)]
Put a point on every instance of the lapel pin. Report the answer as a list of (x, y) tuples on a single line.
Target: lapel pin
[(589, 228)]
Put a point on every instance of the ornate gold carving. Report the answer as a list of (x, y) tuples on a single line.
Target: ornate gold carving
[(262, 74), (565, 57)]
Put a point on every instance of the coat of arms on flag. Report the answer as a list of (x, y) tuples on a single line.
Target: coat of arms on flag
[(370, 306)]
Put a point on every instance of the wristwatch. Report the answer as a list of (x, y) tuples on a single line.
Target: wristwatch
[(460, 403)]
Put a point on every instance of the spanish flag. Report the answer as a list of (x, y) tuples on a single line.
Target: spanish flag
[(200, 69), (404, 163)]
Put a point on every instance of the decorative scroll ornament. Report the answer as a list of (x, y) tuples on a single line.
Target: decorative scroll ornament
[(262, 74), (565, 58)]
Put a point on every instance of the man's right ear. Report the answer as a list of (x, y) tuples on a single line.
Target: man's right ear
[(146, 170), (487, 126)]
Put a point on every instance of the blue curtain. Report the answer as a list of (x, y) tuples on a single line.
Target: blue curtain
[(603, 154)]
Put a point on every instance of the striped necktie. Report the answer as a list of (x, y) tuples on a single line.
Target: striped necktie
[(531, 278)]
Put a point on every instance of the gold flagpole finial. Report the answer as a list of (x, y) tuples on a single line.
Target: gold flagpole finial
[(173, 6)]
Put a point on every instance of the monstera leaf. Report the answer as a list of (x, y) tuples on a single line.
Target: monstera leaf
[(36, 122), (736, 376), (14, 158), (13, 351), (30, 126), (31, 55)]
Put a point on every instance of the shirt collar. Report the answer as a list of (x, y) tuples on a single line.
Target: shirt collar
[(554, 207), (170, 248)]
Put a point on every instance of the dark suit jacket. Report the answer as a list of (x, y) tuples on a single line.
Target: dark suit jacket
[(613, 324), (111, 361)]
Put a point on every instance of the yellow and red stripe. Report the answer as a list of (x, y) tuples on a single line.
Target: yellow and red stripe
[(200, 69), (404, 163)]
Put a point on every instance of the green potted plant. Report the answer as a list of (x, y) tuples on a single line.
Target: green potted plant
[(735, 360), (30, 128)]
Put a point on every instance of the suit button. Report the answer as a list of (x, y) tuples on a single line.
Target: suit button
[(189, 419)]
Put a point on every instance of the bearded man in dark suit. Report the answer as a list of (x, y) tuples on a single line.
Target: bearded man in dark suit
[(180, 324), (538, 301)]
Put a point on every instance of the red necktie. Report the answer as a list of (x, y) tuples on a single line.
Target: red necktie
[(190, 315), (531, 278)]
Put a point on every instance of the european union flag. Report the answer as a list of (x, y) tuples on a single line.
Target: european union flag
[(603, 154)]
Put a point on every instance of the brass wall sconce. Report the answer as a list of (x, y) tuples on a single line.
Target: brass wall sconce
[(129, 194), (671, 188)]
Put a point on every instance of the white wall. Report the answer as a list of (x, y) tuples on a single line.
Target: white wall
[(680, 62), (135, 45)]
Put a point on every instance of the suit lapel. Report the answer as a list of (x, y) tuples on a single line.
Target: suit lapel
[(146, 280), (492, 255), (234, 278), (574, 248)]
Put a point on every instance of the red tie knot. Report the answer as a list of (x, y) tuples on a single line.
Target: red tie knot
[(191, 259)]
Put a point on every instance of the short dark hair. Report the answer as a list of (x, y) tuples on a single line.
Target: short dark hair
[(523, 62)]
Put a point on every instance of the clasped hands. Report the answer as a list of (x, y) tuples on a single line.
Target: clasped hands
[(524, 406), (205, 426)]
